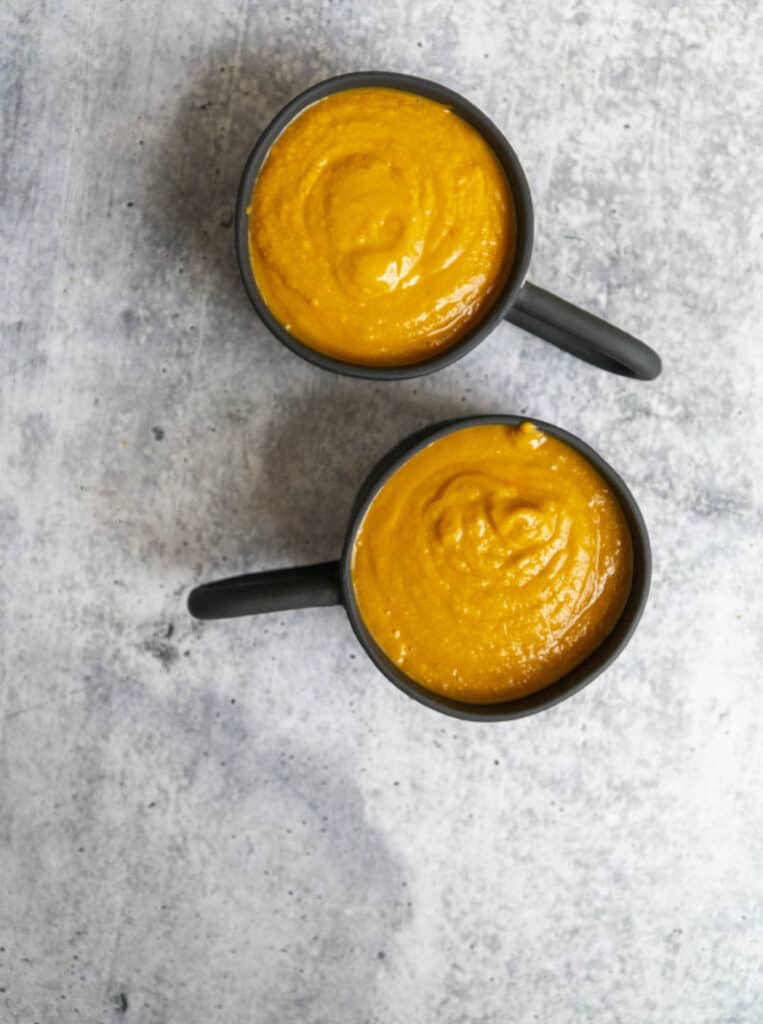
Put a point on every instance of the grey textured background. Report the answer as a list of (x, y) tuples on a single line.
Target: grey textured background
[(243, 822)]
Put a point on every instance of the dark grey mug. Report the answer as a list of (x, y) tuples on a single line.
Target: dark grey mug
[(519, 301), (330, 583)]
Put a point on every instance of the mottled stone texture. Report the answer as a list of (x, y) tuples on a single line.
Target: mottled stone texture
[(243, 822)]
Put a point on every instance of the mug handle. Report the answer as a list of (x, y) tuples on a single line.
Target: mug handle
[(305, 586), (583, 334)]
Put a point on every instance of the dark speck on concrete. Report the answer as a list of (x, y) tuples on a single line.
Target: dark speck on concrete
[(164, 652), (129, 319), (158, 433), (121, 1002), (170, 630), (381, 955)]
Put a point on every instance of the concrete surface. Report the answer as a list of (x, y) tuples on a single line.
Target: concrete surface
[(243, 822)]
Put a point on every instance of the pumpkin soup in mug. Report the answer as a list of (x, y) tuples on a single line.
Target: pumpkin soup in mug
[(381, 227), (492, 563)]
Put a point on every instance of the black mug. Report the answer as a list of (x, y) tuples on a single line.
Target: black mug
[(330, 583), (522, 303)]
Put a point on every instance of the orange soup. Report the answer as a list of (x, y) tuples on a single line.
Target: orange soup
[(492, 563), (381, 227)]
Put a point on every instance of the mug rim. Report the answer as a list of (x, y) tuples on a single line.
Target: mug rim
[(613, 644), (500, 146)]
